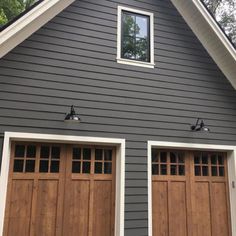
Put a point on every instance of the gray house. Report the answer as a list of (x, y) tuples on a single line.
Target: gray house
[(149, 145)]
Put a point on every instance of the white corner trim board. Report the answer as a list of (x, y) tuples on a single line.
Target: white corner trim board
[(231, 154), (120, 167), (17, 32)]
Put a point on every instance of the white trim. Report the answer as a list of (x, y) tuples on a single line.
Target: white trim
[(210, 35), (215, 27), (231, 153), (120, 168), (133, 62), (17, 32)]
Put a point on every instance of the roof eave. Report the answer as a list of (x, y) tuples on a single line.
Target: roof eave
[(210, 35), (29, 23)]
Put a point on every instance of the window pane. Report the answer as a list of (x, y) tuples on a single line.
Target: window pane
[(18, 166), (205, 170), (76, 167), (87, 154), (173, 157), (76, 153), (30, 166), (55, 152), (196, 160), (19, 151), (128, 25), (221, 171), (164, 157), (213, 159), (204, 159), (44, 153), (107, 167), (31, 151), (197, 170), (54, 168), (86, 167), (155, 155), (141, 49), (135, 37), (128, 47), (220, 160), (107, 155), (173, 170), (98, 154), (214, 171), (43, 166), (163, 169), (155, 169), (142, 26), (181, 170), (98, 168)]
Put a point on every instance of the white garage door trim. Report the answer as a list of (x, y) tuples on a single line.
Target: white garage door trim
[(231, 160), (120, 167)]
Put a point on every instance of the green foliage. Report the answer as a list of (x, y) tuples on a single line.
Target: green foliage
[(225, 14), (3, 18), (132, 47), (9, 9)]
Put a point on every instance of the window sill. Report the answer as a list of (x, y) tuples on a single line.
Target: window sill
[(135, 63)]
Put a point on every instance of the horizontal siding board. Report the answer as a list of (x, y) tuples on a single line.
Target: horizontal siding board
[(57, 66), (136, 215), (134, 191), (152, 80), (72, 60), (96, 57), (153, 94)]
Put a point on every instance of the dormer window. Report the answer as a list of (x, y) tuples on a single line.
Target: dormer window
[(135, 37)]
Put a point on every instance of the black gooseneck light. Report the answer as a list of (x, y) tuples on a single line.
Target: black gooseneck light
[(72, 117), (199, 126)]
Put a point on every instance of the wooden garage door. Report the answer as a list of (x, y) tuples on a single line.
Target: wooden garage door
[(60, 190), (190, 194)]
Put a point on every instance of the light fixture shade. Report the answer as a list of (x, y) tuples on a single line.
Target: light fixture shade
[(199, 126), (72, 116)]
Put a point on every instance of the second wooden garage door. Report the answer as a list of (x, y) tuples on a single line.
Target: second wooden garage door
[(190, 194), (60, 190)]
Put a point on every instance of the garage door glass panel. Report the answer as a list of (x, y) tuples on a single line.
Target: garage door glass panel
[(209, 164), (49, 159), (103, 161), (168, 163), (24, 158)]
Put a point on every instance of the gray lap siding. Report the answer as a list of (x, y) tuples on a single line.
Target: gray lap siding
[(72, 60)]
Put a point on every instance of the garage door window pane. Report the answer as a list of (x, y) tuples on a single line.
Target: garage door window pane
[(86, 167), (31, 151), (20, 151), (30, 166), (43, 167), (18, 166), (44, 152)]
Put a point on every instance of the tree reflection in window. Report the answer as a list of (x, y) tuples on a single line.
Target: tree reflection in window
[(135, 37)]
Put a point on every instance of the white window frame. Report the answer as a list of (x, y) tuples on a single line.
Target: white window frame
[(119, 22), (231, 161), (66, 139)]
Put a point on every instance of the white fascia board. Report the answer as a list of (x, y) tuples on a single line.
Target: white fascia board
[(17, 32), (210, 35)]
